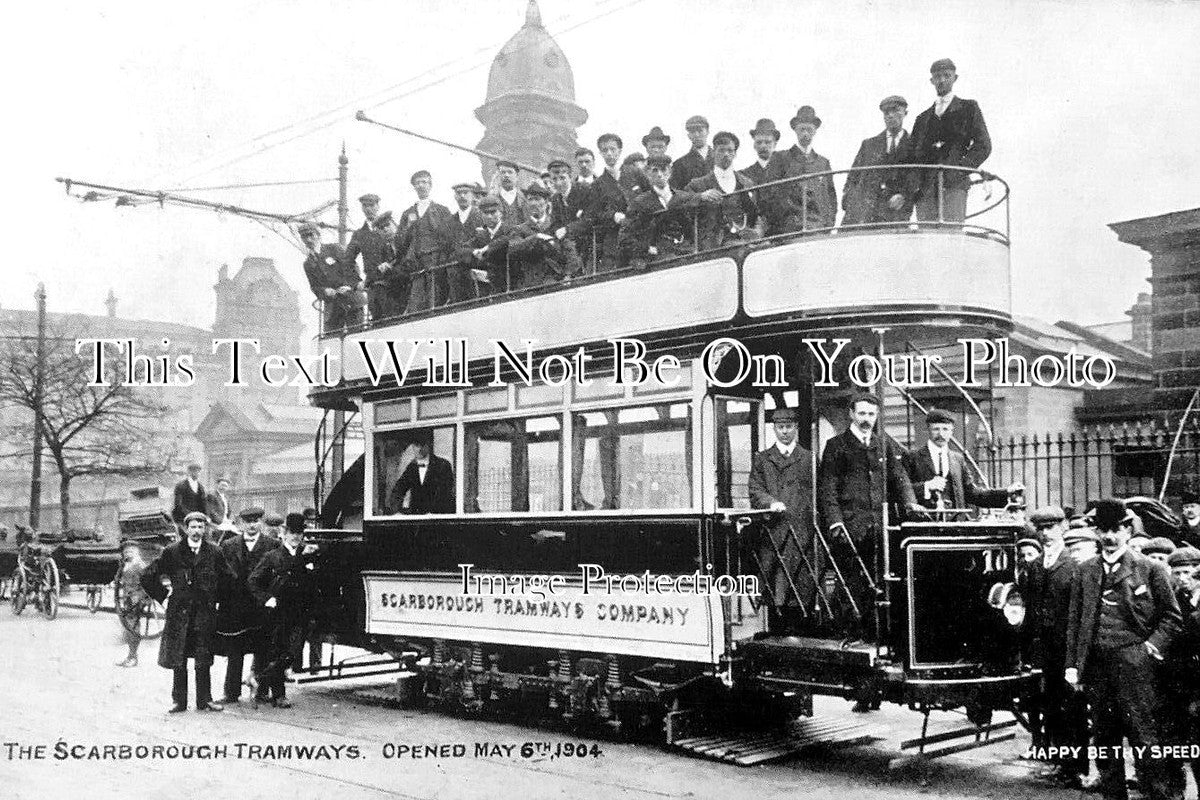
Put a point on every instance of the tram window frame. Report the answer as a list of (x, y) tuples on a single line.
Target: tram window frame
[(728, 491), (579, 460), (384, 478), (519, 496)]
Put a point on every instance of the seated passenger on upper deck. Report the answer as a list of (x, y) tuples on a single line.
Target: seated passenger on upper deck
[(724, 219), (486, 252), (537, 251), (425, 487), (650, 234)]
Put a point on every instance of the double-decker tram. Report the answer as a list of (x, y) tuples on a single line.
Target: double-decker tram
[(588, 549)]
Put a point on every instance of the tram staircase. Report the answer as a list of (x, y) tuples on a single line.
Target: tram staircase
[(328, 437)]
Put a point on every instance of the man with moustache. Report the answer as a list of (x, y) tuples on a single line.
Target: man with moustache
[(1123, 619), (802, 159), (882, 195), (780, 477), (1190, 511), (193, 569), (240, 620), (424, 242), (951, 132), (696, 162), (861, 469), (940, 476), (373, 241), (608, 203), (728, 213)]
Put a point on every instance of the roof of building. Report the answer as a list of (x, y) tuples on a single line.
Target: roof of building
[(531, 62), (261, 418)]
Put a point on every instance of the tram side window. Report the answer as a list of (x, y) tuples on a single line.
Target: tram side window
[(737, 442), (513, 465), (402, 484), (632, 458)]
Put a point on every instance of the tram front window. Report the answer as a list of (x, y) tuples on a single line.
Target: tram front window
[(632, 458), (513, 465), (414, 471)]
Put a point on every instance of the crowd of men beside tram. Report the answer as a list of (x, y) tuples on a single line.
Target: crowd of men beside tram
[(1112, 612), (640, 208), (233, 586)]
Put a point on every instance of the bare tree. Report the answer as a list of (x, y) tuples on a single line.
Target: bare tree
[(88, 431)]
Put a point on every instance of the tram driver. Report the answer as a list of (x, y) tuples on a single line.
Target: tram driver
[(426, 486), (940, 477)]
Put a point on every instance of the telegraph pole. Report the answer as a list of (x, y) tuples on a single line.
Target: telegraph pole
[(35, 480), (339, 416)]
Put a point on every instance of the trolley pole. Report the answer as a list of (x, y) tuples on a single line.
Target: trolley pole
[(339, 416), (39, 369)]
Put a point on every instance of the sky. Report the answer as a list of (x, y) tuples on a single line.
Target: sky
[(1092, 114)]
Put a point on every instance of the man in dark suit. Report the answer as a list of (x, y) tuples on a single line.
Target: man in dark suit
[(218, 506), (424, 242), (725, 216), (568, 206), (1182, 724), (485, 254), (540, 252), (772, 203), (374, 242), (465, 221), (951, 132), (512, 200), (428, 480), (1046, 587), (780, 477), (882, 195), (660, 219), (1190, 511), (333, 280), (193, 569), (283, 586), (940, 476), (802, 159), (189, 496), (861, 469), (697, 162), (1123, 619), (240, 619), (609, 204)]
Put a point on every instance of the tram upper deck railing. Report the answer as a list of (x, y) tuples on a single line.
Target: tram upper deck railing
[(984, 216)]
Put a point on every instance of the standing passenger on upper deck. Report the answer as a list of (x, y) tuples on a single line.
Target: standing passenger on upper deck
[(695, 163), (882, 195), (802, 159), (463, 224), (659, 223), (486, 252), (655, 143), (609, 204), (568, 204), (512, 199), (772, 205), (332, 279), (540, 252), (374, 242), (633, 176), (724, 219), (950, 132), (424, 241)]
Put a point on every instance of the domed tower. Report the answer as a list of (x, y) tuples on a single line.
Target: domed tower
[(530, 114)]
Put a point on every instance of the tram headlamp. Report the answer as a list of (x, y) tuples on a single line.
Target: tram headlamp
[(1005, 598)]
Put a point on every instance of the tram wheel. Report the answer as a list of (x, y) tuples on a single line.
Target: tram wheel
[(18, 592), (50, 604)]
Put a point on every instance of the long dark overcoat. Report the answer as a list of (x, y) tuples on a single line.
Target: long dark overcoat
[(192, 607)]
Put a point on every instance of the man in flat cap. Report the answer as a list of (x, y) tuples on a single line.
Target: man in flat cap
[(608, 202), (780, 477), (424, 243), (940, 476), (861, 469), (240, 620), (512, 199), (952, 133), (1123, 619), (660, 219), (728, 212), (540, 252), (882, 195), (466, 220), (374, 241), (697, 161), (1159, 549), (187, 577), (283, 585), (1047, 591), (189, 495), (1190, 511), (333, 280), (568, 206), (485, 254), (1182, 679)]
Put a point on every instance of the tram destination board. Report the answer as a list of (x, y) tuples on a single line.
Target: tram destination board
[(540, 398)]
